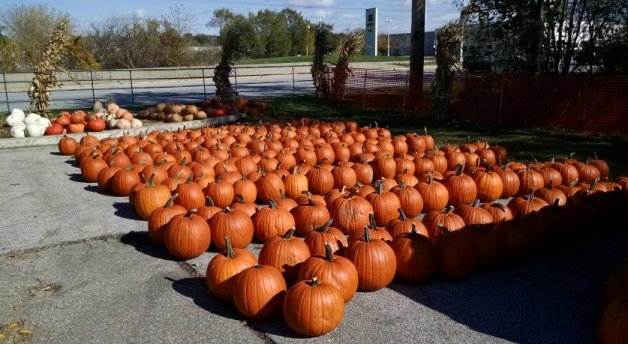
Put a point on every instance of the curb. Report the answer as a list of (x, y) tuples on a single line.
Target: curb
[(51, 140)]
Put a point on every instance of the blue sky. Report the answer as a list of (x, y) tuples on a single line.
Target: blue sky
[(344, 14)]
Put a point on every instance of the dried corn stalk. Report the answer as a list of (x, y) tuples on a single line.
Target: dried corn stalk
[(348, 48), (45, 72)]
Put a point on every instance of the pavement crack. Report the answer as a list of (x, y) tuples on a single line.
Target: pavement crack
[(22, 254)]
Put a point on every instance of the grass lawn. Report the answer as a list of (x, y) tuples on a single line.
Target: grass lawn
[(331, 59), (523, 143)]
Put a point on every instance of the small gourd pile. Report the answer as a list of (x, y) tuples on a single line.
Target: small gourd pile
[(116, 117), (22, 125)]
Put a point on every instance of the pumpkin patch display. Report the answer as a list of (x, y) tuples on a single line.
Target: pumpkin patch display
[(368, 206)]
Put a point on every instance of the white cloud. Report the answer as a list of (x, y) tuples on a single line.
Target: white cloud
[(140, 12), (307, 2)]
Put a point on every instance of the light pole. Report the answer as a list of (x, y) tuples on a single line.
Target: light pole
[(307, 40), (388, 22), (320, 20)]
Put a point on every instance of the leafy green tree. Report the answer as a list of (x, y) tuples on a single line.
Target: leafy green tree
[(273, 32), (29, 27), (8, 53), (546, 36), (300, 34)]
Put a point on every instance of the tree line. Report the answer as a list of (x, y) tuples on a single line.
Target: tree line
[(545, 36), (127, 41)]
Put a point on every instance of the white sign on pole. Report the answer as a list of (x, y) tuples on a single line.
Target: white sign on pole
[(372, 28)]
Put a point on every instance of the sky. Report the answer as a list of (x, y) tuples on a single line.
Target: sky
[(343, 14)]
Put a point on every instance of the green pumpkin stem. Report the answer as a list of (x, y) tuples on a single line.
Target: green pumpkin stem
[(170, 201), (326, 226), (372, 221), (448, 210), (229, 249), (190, 212), (289, 234), (272, 204), (239, 198), (367, 235), (151, 180), (458, 169), (402, 214), (329, 255), (190, 178), (475, 203), (380, 186), (443, 229), (183, 162)]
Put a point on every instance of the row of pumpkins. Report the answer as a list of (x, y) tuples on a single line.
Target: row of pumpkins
[(354, 194), (104, 116)]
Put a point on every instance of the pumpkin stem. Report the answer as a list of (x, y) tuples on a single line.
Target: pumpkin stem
[(282, 194), (550, 185), (228, 210), (594, 183), (380, 186), (430, 179), (475, 203), (573, 183), (171, 200), (239, 198), (326, 226), (314, 282), (229, 249), (531, 195), (402, 214), (414, 232), (190, 212), (151, 180), (488, 167), (289, 234), (372, 221), (190, 178), (272, 204), (183, 162), (367, 235), (425, 130), (208, 201), (448, 210), (595, 155), (500, 206), (458, 169), (329, 256)]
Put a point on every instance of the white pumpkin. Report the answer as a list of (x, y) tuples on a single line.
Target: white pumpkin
[(18, 130), (111, 122), (43, 121), (31, 118), (35, 130), (16, 116), (123, 124), (136, 123)]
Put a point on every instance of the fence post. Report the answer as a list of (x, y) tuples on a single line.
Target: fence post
[(91, 77), (204, 86), (6, 91), (294, 89), (235, 74), (364, 90), (132, 92), (501, 100)]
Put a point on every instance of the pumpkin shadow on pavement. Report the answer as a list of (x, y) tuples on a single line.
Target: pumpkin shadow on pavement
[(551, 298), (142, 243), (76, 177), (125, 211), (194, 288), (91, 188)]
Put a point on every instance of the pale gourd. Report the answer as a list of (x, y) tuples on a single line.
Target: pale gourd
[(31, 118), (17, 130), (16, 116), (43, 121), (111, 121), (35, 130), (123, 124), (136, 123)]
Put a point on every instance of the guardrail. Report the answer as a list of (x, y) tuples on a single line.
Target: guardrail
[(137, 87)]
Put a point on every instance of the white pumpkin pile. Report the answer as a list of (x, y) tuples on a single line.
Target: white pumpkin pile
[(22, 125)]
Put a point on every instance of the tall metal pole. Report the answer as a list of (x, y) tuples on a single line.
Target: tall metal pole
[(388, 22), (307, 40), (417, 55)]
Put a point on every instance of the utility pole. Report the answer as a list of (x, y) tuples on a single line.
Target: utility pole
[(417, 55), (388, 22), (307, 40)]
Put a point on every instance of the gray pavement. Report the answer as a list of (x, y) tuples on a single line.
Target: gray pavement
[(77, 267)]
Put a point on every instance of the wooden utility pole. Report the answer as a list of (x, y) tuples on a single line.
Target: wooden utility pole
[(417, 45)]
